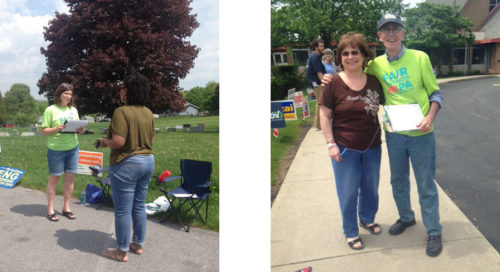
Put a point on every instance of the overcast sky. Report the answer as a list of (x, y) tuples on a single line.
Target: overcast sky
[(21, 36)]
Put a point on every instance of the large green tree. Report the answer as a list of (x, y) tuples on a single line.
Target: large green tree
[(3, 111), (99, 42), (300, 21), (20, 105), (436, 28), (206, 98)]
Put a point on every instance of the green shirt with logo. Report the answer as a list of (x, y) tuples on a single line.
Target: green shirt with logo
[(54, 116), (408, 80)]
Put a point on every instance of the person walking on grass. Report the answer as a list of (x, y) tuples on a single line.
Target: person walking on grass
[(62, 154)]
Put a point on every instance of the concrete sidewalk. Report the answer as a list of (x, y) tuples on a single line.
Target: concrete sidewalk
[(30, 242), (306, 225)]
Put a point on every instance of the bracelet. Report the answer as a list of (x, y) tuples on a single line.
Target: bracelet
[(331, 144), (330, 141)]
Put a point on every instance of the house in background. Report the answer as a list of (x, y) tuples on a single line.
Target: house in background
[(484, 55), (191, 110), (9, 125)]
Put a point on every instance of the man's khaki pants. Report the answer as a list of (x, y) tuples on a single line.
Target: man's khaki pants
[(317, 93)]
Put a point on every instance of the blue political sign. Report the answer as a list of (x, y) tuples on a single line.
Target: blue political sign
[(9, 176), (277, 120)]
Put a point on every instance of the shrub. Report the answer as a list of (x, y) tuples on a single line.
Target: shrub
[(283, 78)]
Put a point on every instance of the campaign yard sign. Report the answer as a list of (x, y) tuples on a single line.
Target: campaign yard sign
[(9, 176), (277, 120), (288, 108), (86, 159), (291, 94), (305, 108), (298, 99)]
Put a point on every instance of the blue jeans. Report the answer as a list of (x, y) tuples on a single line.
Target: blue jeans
[(129, 185), (421, 151), (62, 161), (356, 179)]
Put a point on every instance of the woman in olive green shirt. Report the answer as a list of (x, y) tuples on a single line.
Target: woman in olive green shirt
[(131, 164)]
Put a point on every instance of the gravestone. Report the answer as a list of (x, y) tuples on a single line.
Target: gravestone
[(186, 125), (171, 129), (28, 134), (4, 134), (202, 127), (178, 126)]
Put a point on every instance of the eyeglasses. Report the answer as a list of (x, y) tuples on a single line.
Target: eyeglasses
[(352, 53), (67, 85), (394, 30)]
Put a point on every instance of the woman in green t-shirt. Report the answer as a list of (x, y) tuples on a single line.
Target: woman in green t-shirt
[(62, 154)]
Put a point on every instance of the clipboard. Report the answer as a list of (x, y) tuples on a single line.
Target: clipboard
[(403, 117), (72, 125)]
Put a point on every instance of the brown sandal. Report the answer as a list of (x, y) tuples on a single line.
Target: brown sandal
[(115, 255), (137, 249), (52, 217), (69, 215)]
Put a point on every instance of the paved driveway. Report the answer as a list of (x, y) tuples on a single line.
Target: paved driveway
[(468, 147)]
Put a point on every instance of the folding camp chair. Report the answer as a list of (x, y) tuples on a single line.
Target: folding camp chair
[(105, 185), (193, 191)]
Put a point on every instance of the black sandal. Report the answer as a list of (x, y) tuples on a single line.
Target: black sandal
[(69, 215), (371, 228), (52, 217), (353, 242)]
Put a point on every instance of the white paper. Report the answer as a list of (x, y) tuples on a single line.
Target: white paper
[(404, 117), (73, 125)]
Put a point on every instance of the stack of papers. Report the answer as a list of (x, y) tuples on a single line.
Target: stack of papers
[(404, 117)]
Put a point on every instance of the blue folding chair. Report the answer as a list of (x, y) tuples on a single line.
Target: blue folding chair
[(105, 185), (193, 192)]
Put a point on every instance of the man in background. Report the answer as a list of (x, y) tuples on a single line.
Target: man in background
[(315, 71)]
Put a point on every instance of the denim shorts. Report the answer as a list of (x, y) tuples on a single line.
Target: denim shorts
[(62, 161)]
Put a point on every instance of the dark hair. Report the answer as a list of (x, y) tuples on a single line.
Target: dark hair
[(61, 89), (355, 40), (315, 43), (138, 89)]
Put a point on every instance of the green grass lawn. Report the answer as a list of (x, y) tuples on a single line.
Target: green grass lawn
[(29, 153), (288, 137)]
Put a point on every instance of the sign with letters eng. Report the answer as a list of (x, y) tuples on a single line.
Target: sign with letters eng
[(9, 176)]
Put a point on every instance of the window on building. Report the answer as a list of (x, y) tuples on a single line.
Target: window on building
[(493, 3), (300, 56), (280, 58), (458, 56), (478, 55), (444, 59)]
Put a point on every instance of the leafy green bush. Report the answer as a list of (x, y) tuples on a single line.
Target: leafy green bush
[(283, 78)]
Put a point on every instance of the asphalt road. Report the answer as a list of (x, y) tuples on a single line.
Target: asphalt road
[(467, 131)]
